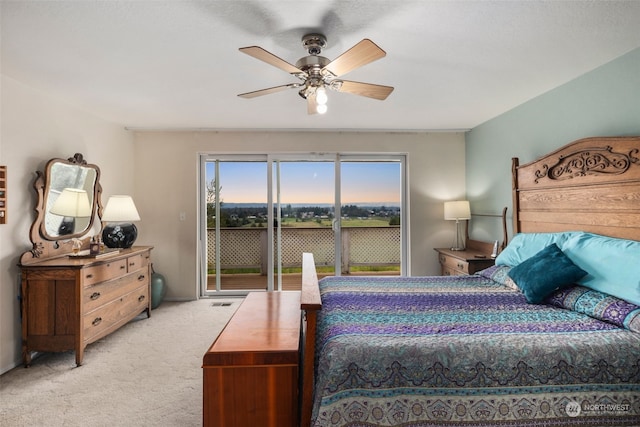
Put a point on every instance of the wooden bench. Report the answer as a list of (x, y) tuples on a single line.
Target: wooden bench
[(251, 371)]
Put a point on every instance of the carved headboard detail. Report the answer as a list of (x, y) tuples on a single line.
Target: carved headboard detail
[(592, 184), (593, 161)]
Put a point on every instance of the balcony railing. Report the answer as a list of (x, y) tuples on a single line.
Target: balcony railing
[(246, 248)]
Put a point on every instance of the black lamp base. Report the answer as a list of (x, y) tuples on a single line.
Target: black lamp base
[(121, 235)]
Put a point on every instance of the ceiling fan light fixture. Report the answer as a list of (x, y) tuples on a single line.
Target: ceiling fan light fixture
[(317, 73), (321, 96)]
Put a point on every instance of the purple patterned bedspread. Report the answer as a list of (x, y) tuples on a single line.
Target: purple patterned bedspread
[(466, 351)]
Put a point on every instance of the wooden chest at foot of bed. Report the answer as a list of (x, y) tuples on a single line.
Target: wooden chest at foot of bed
[(250, 372)]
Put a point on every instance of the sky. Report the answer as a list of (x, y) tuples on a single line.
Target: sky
[(310, 182)]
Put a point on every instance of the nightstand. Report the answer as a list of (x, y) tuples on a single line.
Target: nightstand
[(462, 263), (476, 256)]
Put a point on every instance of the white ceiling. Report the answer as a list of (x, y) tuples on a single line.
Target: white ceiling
[(175, 64)]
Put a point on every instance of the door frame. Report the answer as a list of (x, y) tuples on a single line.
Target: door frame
[(270, 159)]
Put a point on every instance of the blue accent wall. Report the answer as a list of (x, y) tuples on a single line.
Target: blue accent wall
[(602, 102)]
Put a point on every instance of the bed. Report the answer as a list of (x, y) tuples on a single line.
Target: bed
[(549, 336)]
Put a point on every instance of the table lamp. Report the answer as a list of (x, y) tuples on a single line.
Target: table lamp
[(119, 214), (456, 211)]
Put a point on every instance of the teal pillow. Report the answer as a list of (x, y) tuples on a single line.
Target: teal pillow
[(613, 264), (545, 272), (525, 245)]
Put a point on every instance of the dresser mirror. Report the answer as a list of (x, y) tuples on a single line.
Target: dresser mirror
[(67, 207), (61, 175)]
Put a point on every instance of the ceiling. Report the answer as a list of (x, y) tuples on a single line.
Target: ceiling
[(176, 65)]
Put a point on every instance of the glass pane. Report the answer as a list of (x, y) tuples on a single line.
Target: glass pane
[(305, 204), (242, 190), (370, 217)]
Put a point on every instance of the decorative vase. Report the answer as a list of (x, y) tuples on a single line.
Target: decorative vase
[(158, 288), (119, 235)]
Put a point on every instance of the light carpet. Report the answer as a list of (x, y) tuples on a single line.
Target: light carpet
[(148, 373)]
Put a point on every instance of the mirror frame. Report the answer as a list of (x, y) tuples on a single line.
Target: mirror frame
[(77, 161), (44, 245)]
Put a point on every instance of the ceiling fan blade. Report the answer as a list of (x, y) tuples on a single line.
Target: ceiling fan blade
[(361, 54), (312, 105), (268, 57), (268, 91), (365, 89)]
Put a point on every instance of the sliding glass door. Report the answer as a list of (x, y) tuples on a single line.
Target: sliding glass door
[(234, 233), (260, 213), (304, 205), (371, 215)]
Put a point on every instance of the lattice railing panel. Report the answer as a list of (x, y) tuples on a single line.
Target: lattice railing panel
[(369, 245), (318, 241), (366, 245), (238, 247)]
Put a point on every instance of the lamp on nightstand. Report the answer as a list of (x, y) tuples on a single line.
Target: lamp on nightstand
[(119, 214), (456, 211)]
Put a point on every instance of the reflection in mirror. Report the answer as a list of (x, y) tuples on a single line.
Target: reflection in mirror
[(66, 179), (72, 206)]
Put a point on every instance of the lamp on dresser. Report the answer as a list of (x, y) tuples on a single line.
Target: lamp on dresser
[(119, 214), (457, 210)]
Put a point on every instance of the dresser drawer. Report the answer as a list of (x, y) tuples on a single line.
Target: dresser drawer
[(102, 293), (136, 262), (454, 264), (103, 272), (122, 309), (447, 271)]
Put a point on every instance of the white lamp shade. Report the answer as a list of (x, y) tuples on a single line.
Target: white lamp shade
[(120, 209), (457, 210), (72, 202)]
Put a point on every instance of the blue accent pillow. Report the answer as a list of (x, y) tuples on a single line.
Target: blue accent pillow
[(613, 264), (525, 245), (547, 271)]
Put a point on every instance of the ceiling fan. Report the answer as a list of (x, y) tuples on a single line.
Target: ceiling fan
[(317, 73)]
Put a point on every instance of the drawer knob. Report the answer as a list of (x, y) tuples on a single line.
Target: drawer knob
[(96, 321), (141, 298), (89, 276), (122, 267), (131, 264), (460, 265), (94, 296), (141, 277)]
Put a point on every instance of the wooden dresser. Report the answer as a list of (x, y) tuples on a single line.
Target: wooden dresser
[(250, 372), (69, 302)]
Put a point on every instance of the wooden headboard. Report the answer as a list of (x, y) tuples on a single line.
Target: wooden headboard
[(591, 184)]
